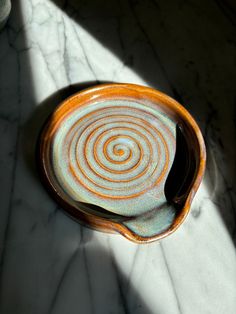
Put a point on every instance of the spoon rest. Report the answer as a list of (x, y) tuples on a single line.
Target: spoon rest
[(123, 158)]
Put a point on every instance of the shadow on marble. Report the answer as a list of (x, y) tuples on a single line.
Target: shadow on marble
[(61, 268), (49, 263), (193, 47)]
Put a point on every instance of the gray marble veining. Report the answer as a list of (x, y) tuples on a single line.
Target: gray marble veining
[(50, 49)]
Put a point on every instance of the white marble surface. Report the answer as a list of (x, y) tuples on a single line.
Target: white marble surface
[(49, 263)]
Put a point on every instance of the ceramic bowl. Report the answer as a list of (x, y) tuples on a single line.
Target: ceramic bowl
[(123, 158)]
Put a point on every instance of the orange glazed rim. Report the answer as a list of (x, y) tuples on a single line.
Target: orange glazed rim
[(99, 92)]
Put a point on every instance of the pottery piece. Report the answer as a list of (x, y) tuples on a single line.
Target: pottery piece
[(123, 158)]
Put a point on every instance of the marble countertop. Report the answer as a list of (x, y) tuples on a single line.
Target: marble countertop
[(50, 49)]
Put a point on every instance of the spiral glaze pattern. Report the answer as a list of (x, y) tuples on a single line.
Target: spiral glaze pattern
[(115, 154)]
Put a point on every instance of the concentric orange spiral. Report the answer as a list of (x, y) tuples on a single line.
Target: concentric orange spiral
[(116, 154)]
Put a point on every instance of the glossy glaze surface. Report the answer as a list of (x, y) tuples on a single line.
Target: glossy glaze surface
[(115, 154), (113, 146)]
